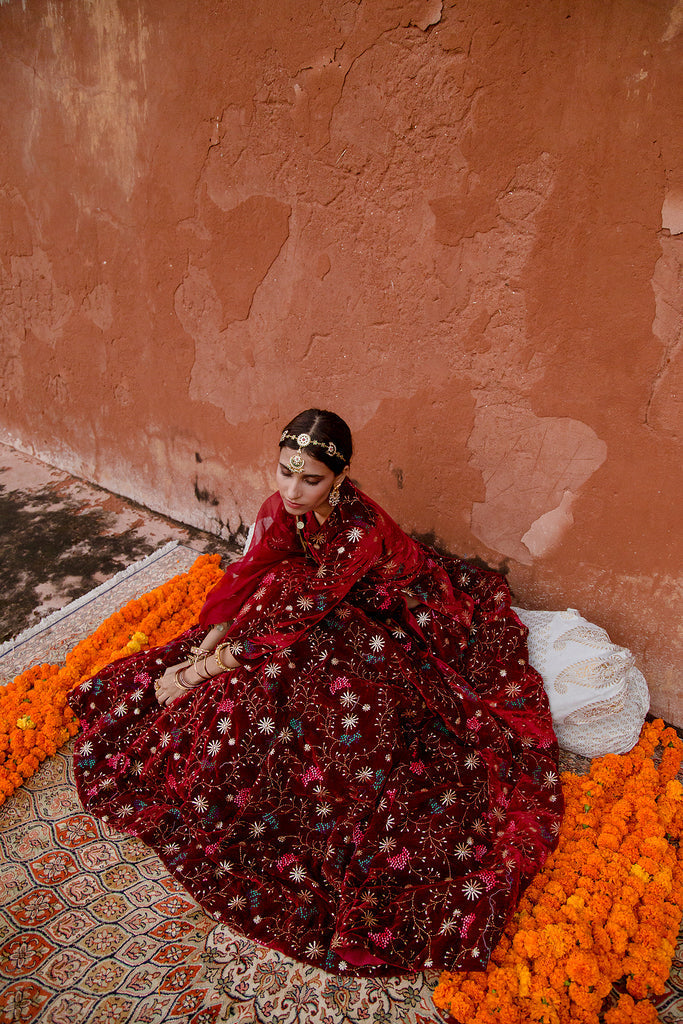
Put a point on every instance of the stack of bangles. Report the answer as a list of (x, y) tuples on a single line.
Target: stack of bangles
[(199, 654)]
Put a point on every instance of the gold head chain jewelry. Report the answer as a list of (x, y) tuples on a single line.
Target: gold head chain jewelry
[(296, 462)]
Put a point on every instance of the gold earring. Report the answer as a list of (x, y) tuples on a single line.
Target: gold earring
[(333, 497)]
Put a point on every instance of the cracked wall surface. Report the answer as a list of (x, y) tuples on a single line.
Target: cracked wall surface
[(458, 224)]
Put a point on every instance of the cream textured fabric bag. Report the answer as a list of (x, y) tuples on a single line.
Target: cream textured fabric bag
[(598, 698)]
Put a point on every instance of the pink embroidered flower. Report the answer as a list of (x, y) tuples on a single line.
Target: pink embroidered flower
[(417, 767), (337, 683), (381, 938), (474, 724), (285, 861), (488, 878), (227, 705), (400, 860), (312, 773), (467, 922), (242, 797)]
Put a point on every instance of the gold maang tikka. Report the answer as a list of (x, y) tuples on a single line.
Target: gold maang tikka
[(296, 462)]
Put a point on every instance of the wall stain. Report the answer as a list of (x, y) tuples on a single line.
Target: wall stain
[(204, 495)]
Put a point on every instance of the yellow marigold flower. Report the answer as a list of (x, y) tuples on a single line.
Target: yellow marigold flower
[(524, 980)]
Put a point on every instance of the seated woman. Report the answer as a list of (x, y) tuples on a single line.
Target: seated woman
[(350, 759)]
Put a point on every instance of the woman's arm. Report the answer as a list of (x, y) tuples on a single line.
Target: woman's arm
[(213, 637)]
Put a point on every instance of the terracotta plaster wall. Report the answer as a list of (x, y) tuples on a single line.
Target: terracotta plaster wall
[(459, 224)]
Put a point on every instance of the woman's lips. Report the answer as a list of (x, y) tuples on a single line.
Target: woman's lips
[(292, 504)]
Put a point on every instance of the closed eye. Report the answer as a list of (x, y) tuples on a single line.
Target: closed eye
[(312, 480)]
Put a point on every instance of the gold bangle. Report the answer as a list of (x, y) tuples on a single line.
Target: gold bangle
[(182, 683), (219, 660), (202, 676), (196, 653)]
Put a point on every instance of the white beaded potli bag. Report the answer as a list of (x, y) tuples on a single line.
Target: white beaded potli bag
[(598, 698)]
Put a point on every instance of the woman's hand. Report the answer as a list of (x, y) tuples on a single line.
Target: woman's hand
[(166, 687)]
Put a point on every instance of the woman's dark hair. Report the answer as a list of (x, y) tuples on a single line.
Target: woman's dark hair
[(327, 428)]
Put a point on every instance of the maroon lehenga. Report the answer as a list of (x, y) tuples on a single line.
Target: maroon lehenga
[(374, 787)]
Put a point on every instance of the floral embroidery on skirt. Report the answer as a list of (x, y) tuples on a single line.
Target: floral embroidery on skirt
[(373, 796)]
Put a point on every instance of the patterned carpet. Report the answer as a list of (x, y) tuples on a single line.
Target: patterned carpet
[(94, 931)]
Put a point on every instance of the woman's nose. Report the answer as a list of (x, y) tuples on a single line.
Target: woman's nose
[(294, 488)]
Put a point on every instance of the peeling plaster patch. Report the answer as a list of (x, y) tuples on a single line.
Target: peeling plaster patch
[(32, 300), (456, 215), (319, 86), (430, 16), (237, 248), (672, 212), (214, 302), (98, 306), (663, 411), (323, 266), (532, 468), (11, 370), (547, 531), (484, 242), (675, 22), (197, 306)]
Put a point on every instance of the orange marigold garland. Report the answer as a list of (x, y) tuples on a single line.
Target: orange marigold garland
[(606, 908), (34, 717)]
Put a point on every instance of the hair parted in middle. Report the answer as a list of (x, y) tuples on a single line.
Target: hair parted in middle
[(334, 446)]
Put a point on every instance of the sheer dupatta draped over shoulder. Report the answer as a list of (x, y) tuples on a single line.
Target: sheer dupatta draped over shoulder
[(273, 542)]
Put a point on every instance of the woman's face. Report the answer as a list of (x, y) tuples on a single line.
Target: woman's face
[(307, 491)]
